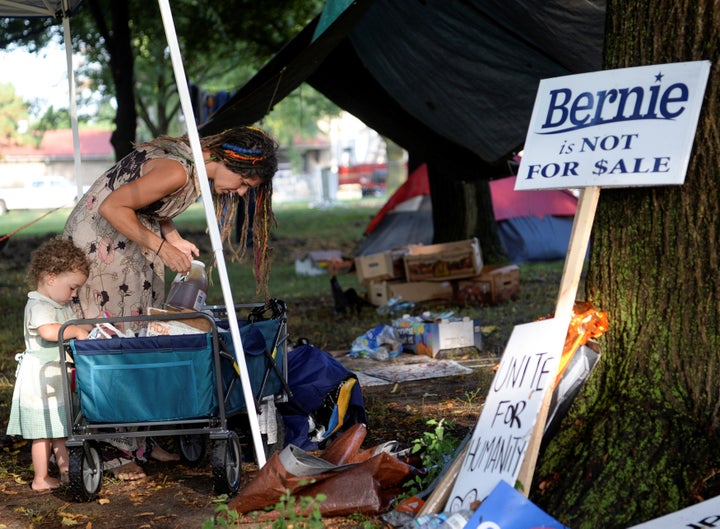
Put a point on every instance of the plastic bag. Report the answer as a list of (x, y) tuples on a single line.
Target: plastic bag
[(379, 343)]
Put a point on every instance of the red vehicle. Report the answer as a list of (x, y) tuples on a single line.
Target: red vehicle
[(371, 177)]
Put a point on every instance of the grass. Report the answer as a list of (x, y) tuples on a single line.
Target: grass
[(400, 414), (301, 228)]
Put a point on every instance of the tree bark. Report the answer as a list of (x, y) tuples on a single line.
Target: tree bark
[(117, 38), (461, 202), (642, 439)]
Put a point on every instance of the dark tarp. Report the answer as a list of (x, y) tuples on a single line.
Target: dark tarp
[(435, 76)]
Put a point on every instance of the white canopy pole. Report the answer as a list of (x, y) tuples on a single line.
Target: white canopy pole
[(73, 99), (194, 137)]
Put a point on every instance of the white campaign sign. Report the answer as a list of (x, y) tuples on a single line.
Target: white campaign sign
[(614, 128), (705, 515), (500, 439)]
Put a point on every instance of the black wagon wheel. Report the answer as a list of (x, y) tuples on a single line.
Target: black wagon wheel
[(85, 472), (227, 464), (192, 449)]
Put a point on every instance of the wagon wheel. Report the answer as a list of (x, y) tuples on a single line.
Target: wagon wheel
[(85, 473), (227, 464), (192, 449)]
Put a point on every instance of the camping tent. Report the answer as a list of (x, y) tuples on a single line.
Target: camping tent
[(533, 225)]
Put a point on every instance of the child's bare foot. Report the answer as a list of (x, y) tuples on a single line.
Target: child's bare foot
[(45, 484), (160, 454)]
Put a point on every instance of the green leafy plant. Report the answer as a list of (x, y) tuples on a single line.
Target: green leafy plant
[(224, 517), (435, 449), (365, 521), (472, 397), (294, 513), (303, 512)]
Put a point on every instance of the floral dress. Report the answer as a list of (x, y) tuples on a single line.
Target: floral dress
[(126, 278), (38, 402)]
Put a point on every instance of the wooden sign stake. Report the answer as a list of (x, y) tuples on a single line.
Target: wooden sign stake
[(574, 261)]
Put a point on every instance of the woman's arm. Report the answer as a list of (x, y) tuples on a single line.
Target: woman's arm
[(162, 178)]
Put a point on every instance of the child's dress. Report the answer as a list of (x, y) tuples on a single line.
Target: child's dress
[(38, 404)]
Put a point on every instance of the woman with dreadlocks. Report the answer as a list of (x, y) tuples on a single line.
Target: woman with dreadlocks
[(124, 222), (124, 225)]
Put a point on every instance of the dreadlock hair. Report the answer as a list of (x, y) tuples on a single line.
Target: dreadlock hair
[(251, 152)]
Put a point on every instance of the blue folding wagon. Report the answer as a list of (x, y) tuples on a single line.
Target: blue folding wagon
[(185, 385)]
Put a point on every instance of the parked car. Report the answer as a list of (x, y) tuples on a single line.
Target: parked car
[(47, 192)]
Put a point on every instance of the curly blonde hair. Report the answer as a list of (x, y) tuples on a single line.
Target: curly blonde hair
[(56, 256)]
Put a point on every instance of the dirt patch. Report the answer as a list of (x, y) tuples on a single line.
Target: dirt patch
[(176, 496)]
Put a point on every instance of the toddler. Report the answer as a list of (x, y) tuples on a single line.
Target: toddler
[(57, 269)]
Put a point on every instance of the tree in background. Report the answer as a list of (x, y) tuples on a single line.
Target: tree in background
[(222, 43), (13, 111), (643, 438)]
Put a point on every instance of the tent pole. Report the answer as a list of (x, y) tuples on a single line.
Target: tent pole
[(73, 99), (213, 228)]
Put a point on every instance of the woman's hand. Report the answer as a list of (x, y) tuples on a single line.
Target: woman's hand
[(176, 259), (185, 246)]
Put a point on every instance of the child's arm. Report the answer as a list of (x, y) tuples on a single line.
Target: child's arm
[(51, 331)]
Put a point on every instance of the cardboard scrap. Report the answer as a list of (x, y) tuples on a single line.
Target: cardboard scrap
[(418, 371)]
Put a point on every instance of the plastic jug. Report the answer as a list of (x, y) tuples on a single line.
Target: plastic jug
[(189, 291)]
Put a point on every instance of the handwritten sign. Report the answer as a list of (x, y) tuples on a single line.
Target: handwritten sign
[(500, 439), (614, 128)]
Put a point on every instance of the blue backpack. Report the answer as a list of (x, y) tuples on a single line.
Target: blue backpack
[(326, 398)]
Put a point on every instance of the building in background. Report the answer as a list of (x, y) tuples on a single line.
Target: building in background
[(54, 157)]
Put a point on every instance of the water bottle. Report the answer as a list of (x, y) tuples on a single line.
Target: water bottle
[(189, 291)]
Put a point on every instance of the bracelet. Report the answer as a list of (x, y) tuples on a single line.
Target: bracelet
[(160, 247)]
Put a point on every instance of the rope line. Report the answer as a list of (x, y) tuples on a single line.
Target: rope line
[(27, 225)]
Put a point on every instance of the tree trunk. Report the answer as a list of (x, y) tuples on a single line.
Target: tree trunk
[(462, 205), (642, 439), (117, 37)]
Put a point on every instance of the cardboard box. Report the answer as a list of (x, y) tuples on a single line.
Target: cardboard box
[(200, 323), (339, 266), (170, 327), (375, 267), (381, 266), (379, 292), (430, 338), (441, 262), (494, 285), (421, 290)]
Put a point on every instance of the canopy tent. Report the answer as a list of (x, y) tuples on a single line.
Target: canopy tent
[(64, 9), (37, 8), (533, 225)]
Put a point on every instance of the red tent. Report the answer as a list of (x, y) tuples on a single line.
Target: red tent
[(533, 225)]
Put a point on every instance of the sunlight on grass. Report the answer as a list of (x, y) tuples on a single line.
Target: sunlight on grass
[(336, 227), (40, 222)]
